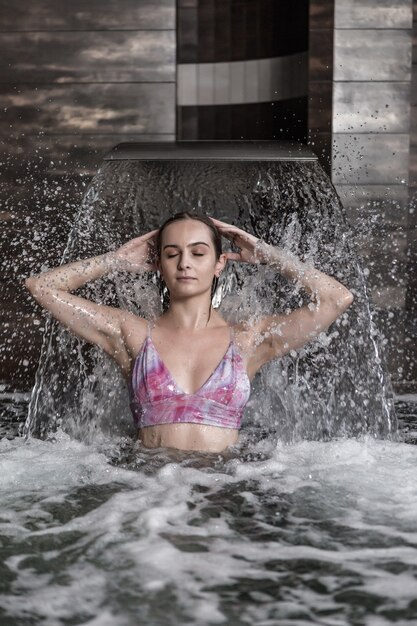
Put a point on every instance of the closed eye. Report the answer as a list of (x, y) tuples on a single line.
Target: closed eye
[(170, 256)]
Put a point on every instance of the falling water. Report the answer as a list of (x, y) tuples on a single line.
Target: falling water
[(335, 386)]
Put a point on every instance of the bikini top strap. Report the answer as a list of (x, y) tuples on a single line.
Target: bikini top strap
[(149, 325), (232, 334)]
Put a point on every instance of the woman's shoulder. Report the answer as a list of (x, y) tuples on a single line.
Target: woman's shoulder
[(243, 337), (134, 329)]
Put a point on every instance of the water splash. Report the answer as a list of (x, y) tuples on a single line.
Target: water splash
[(335, 386)]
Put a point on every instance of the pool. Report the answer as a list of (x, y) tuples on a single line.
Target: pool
[(310, 519), (267, 533)]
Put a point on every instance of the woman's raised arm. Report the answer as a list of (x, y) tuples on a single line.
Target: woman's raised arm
[(276, 335), (96, 323), (290, 331)]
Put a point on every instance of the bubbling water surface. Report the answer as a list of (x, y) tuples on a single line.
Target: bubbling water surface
[(304, 533), (309, 519)]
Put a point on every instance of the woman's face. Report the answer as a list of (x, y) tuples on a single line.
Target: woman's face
[(188, 261)]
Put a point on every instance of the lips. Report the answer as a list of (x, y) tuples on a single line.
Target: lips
[(185, 278)]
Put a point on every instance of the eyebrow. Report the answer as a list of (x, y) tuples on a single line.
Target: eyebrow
[(195, 243)]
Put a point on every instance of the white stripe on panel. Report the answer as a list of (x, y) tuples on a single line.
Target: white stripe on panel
[(205, 83), (265, 81), (241, 82), (251, 81), (187, 82), (237, 83), (221, 82)]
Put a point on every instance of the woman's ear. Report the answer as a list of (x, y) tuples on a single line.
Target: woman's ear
[(220, 265)]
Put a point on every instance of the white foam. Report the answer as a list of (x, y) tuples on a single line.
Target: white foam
[(81, 528)]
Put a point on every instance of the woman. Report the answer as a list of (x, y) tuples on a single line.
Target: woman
[(189, 372)]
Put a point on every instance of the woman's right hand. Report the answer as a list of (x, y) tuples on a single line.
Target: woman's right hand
[(137, 255)]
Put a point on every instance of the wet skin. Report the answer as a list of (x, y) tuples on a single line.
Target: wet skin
[(190, 336)]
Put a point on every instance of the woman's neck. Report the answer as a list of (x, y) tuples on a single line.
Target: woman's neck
[(190, 316)]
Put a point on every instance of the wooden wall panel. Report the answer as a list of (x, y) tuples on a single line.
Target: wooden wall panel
[(93, 56), (76, 78), (84, 15), (321, 14), (86, 109), (321, 55)]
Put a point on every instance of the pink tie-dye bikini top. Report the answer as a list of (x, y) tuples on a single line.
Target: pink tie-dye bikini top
[(157, 399)]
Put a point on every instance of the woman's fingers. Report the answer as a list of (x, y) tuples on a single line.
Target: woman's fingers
[(146, 236), (220, 223), (143, 238), (233, 256), (235, 234), (224, 227), (152, 233)]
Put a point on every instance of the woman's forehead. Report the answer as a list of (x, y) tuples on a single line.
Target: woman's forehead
[(187, 230)]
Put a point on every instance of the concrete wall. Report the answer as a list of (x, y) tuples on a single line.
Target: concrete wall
[(411, 289), (371, 152)]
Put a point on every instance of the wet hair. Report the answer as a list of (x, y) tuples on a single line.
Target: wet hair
[(216, 239)]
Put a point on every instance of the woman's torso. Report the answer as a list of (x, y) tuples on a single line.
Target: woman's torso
[(204, 370)]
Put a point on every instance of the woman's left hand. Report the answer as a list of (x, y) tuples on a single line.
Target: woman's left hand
[(244, 241)]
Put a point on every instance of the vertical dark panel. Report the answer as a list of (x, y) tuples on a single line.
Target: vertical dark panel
[(187, 122), (187, 40), (251, 27), (222, 31), (238, 30), (290, 21), (321, 23), (206, 122), (246, 30), (237, 121), (266, 29), (222, 51), (206, 18), (206, 21)]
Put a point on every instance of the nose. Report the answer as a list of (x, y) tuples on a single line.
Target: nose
[(183, 261)]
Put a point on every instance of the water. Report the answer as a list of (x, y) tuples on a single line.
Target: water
[(309, 520), (267, 533), (335, 386)]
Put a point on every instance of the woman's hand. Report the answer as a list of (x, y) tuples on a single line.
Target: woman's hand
[(248, 244), (137, 255)]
